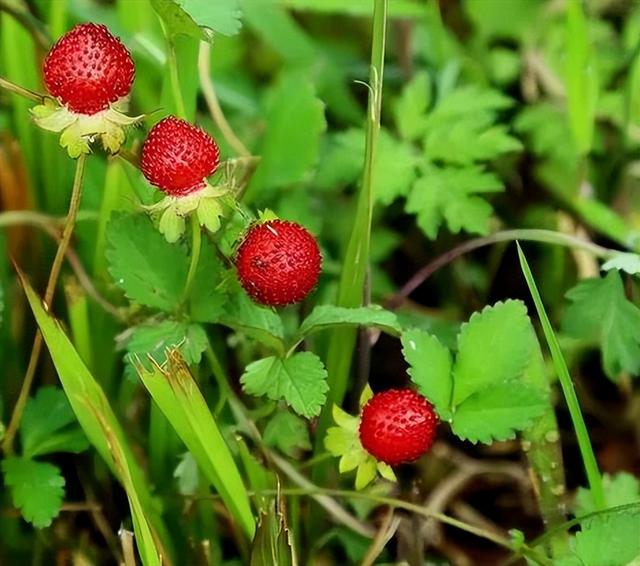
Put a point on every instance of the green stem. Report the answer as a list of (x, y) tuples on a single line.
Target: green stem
[(584, 443), (356, 261), (74, 205), (196, 246), (17, 89), (172, 61)]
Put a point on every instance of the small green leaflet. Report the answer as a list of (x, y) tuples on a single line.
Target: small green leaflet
[(198, 18), (410, 109), (149, 270), (37, 489), (624, 262), (288, 433), (326, 316), (484, 394), (620, 489), (450, 194), (600, 310), (49, 425), (609, 539), (300, 380)]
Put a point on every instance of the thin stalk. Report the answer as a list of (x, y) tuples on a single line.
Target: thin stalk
[(176, 92), (584, 443), (20, 90), (356, 261), (196, 246), (74, 205)]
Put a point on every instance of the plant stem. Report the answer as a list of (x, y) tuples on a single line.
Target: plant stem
[(17, 89), (531, 235), (356, 261), (586, 450), (172, 61), (74, 205), (196, 246)]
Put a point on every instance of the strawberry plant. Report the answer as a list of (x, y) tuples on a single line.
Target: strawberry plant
[(319, 282)]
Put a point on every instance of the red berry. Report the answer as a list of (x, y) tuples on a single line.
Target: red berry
[(278, 262), (177, 157), (397, 426), (88, 68)]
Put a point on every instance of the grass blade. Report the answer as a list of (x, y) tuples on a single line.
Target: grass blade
[(586, 450), (178, 397)]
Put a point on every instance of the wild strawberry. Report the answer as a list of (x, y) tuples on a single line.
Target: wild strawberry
[(88, 68), (278, 262), (177, 157), (90, 73), (397, 426)]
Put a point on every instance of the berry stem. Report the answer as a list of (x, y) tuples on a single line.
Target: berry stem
[(25, 92), (70, 223), (196, 246), (172, 61)]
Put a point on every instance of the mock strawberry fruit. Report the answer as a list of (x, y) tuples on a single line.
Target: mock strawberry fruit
[(397, 426), (88, 69), (177, 157), (278, 262)]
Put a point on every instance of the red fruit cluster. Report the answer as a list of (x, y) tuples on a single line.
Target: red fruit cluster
[(88, 68), (177, 157), (397, 426), (278, 262)]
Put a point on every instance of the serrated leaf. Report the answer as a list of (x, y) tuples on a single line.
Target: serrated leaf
[(411, 107), (196, 17), (340, 441), (468, 101), (366, 473), (498, 411), (327, 316), (430, 368), (494, 347), (630, 263), (619, 489), (37, 489), (450, 194), (208, 296), (143, 264), (288, 433), (46, 425), (300, 380), (601, 310)]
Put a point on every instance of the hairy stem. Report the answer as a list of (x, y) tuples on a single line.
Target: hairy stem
[(20, 90), (70, 223)]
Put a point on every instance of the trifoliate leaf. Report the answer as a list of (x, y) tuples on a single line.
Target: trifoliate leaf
[(624, 262), (36, 488), (430, 368), (619, 489), (411, 107), (498, 411), (143, 264), (49, 425), (198, 18), (494, 347), (451, 194), (155, 338), (327, 316), (300, 380), (288, 433), (600, 310)]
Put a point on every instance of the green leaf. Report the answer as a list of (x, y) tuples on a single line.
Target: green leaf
[(397, 8), (1, 303), (151, 271), (45, 426), (179, 398), (208, 296), (609, 540), (342, 159), (600, 310), (500, 19), (619, 489), (450, 194), (197, 18), (37, 489), (630, 263), (411, 107), (494, 347), (288, 153), (155, 338), (430, 368), (300, 380), (327, 316), (498, 411), (288, 433), (186, 474)]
